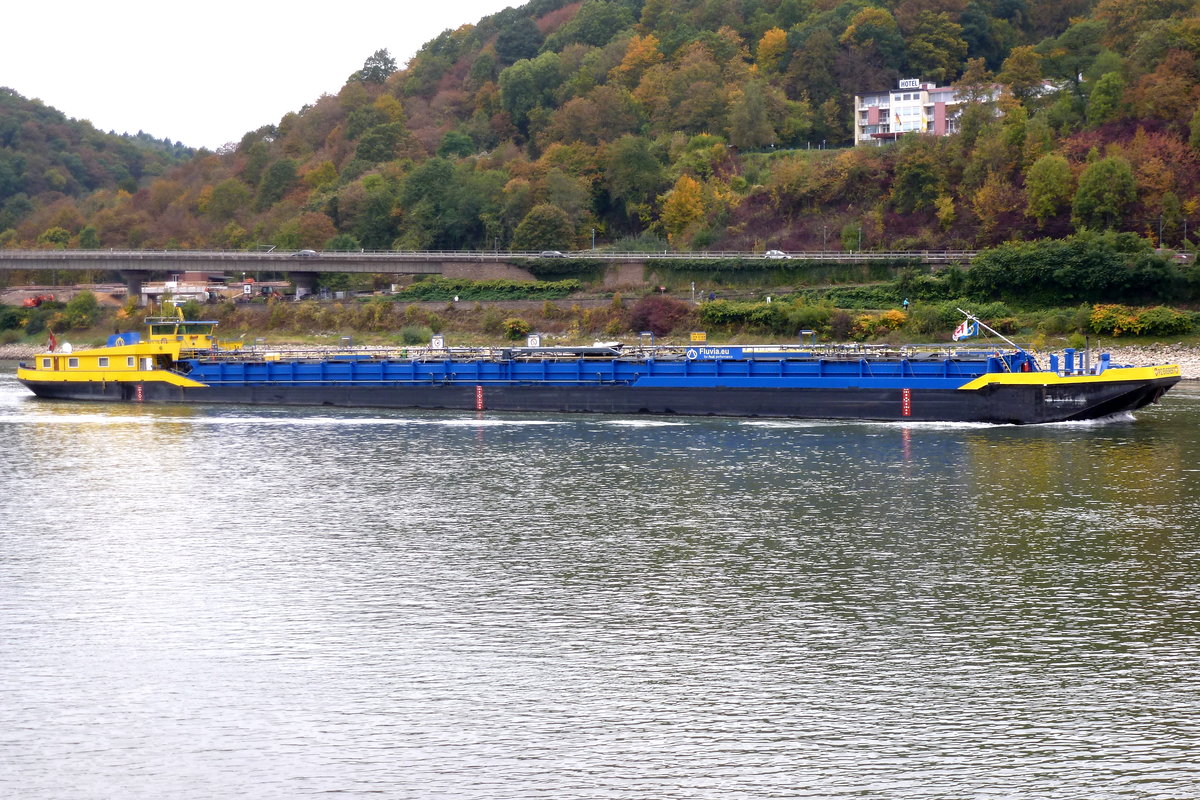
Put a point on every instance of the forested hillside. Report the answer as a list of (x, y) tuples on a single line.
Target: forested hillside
[(682, 123), (50, 163)]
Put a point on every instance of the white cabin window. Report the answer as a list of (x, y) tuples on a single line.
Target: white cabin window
[(102, 362), (47, 363), (147, 363), (130, 362), (72, 363)]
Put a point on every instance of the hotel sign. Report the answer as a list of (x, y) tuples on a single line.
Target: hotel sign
[(910, 83)]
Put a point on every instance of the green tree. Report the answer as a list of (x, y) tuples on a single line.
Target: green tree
[(595, 24), (1049, 187), (81, 311), (517, 41), (456, 143), (89, 239), (343, 243), (1106, 189), (750, 117), (936, 49), (228, 198), (376, 69), (1104, 101), (276, 182), (1069, 55), (874, 32), (918, 181), (633, 174), (545, 227), (56, 238), (381, 143)]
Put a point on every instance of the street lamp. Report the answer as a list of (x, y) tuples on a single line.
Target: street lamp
[(593, 238)]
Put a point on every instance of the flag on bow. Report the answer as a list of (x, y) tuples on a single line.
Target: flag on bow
[(966, 330)]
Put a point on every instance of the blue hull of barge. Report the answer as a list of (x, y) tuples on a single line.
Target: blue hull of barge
[(917, 390)]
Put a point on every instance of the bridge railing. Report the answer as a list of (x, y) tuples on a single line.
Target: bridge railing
[(294, 260)]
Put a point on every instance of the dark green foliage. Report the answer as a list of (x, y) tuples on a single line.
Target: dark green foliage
[(376, 69), (919, 179), (343, 243), (779, 318), (520, 39), (1087, 267), (456, 143), (10, 317), (276, 182), (415, 334), (380, 142), (448, 288), (597, 22)]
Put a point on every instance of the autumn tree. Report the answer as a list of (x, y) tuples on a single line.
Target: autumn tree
[(1022, 73), (682, 207), (642, 53), (771, 49)]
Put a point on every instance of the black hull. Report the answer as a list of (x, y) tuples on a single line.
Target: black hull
[(998, 403)]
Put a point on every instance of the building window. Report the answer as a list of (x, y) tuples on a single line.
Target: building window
[(72, 363), (102, 362)]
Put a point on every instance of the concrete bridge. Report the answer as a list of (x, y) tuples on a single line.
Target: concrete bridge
[(303, 267)]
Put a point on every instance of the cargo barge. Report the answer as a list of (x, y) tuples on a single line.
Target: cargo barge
[(181, 361)]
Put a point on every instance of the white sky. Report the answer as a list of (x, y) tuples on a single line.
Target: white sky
[(205, 74)]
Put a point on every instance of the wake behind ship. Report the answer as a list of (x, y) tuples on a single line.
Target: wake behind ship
[(181, 361)]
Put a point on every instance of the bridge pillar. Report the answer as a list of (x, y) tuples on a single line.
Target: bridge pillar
[(305, 282), (133, 282)]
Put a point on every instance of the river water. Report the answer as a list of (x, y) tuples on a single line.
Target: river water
[(207, 602)]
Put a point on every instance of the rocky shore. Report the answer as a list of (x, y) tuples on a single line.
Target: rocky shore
[(1187, 357), (15, 352)]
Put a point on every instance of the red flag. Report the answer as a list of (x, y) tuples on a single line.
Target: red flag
[(53, 342)]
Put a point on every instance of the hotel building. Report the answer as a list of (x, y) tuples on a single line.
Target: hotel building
[(912, 106)]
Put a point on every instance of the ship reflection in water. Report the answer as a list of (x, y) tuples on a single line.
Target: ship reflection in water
[(203, 601)]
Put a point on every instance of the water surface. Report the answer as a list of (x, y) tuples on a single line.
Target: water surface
[(201, 601)]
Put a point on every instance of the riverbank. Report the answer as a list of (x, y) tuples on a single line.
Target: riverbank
[(1186, 356)]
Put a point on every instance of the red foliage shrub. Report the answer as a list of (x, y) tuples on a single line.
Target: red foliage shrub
[(658, 314)]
